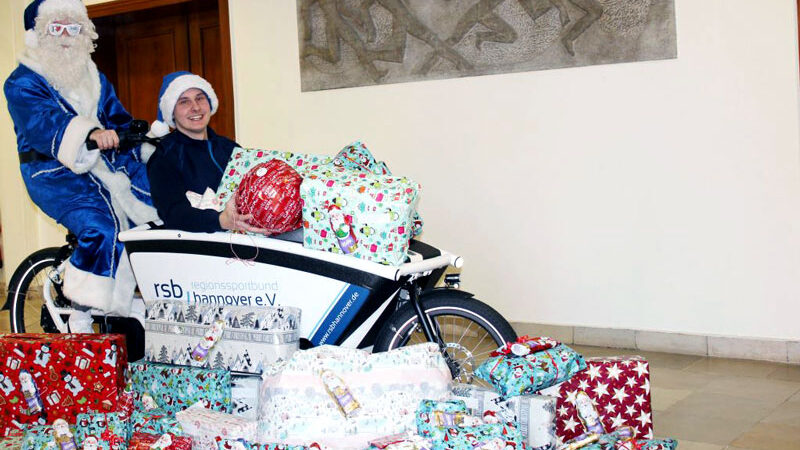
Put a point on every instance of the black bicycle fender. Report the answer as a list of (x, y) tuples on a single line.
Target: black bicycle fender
[(446, 292)]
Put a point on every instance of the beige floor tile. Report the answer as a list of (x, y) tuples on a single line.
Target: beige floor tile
[(722, 406), (738, 367), (773, 391), (5, 325), (690, 445), (786, 372), (662, 398), (770, 436), (667, 360), (699, 428), (786, 414), (679, 379), (589, 351)]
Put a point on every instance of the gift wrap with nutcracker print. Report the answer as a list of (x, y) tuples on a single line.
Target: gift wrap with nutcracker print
[(363, 396), (204, 426), (105, 430), (360, 214), (619, 389), (534, 364), (252, 337), (60, 375), (175, 388), (535, 414)]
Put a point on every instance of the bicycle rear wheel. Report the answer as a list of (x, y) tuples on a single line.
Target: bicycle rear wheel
[(26, 292), (469, 328)]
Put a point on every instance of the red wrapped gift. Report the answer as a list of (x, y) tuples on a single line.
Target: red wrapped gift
[(270, 192), (618, 389), (58, 376), (166, 441)]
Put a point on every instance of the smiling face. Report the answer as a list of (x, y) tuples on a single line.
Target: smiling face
[(192, 113)]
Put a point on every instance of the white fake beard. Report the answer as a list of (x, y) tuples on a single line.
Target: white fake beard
[(65, 68)]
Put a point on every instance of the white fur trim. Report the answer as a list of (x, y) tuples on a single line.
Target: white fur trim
[(86, 288), (158, 129), (72, 151), (120, 187), (146, 151), (54, 7), (110, 295), (31, 38), (177, 87)]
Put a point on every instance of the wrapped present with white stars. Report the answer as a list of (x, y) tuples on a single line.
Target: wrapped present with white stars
[(612, 392)]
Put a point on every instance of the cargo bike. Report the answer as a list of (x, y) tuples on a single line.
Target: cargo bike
[(344, 301)]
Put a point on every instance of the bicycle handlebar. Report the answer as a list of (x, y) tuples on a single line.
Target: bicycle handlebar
[(134, 136)]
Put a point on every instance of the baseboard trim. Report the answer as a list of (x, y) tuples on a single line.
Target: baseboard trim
[(774, 350)]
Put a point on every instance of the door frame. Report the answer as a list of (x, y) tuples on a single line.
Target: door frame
[(114, 7)]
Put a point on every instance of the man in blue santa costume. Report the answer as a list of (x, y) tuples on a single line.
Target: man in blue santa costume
[(58, 100)]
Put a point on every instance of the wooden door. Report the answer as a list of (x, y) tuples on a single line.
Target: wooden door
[(137, 48)]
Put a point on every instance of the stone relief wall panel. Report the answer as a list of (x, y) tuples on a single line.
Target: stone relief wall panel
[(347, 43)]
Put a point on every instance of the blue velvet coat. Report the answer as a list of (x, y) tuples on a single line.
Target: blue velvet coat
[(88, 198)]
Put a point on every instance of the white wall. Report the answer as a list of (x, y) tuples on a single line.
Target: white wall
[(658, 195)]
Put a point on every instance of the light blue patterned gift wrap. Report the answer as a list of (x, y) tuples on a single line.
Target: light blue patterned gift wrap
[(39, 437), (242, 160), (155, 421), (615, 441), (433, 417), (489, 435), (535, 414), (175, 388), (357, 157), (358, 213), (105, 428), (241, 444), (513, 375)]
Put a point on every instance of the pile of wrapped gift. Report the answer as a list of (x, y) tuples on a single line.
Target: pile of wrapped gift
[(70, 391), (351, 203)]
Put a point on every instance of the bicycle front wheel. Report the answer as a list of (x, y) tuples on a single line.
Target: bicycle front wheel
[(26, 292), (469, 329)]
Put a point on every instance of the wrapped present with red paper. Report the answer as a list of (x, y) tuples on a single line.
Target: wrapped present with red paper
[(270, 193), (59, 375), (166, 441), (612, 392)]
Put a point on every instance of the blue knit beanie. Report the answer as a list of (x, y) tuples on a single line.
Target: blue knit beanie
[(172, 87)]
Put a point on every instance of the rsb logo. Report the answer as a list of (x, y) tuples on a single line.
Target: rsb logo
[(168, 290)]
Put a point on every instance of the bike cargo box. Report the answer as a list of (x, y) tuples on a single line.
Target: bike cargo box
[(247, 338)]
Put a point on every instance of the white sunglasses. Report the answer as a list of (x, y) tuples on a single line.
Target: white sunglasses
[(55, 29)]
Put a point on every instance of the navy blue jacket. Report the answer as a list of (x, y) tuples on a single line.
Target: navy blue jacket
[(182, 164)]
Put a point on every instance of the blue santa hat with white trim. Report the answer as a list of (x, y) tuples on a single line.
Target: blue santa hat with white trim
[(173, 86), (73, 8)]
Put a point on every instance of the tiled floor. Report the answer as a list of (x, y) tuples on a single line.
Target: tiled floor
[(707, 403)]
